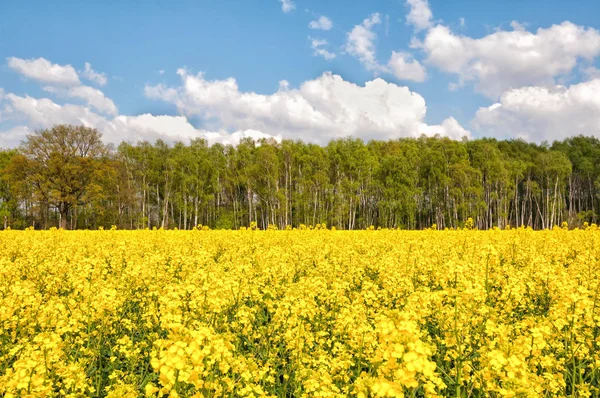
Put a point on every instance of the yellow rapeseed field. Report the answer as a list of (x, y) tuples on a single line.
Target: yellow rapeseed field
[(302, 313)]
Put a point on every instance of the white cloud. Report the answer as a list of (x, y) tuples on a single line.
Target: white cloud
[(287, 5), (448, 128), (520, 26), (44, 71), (590, 72), (405, 67), (178, 128), (92, 96), (511, 59), (284, 85), (44, 113), (317, 45), (63, 81), (11, 138), (322, 23), (92, 75), (419, 15), (360, 42), (543, 113), (320, 110)]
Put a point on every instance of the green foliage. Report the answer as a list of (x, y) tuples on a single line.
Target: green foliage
[(225, 220), (408, 183)]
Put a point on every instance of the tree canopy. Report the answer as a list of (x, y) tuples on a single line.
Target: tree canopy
[(58, 168), (66, 176)]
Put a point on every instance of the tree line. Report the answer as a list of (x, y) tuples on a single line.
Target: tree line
[(67, 177)]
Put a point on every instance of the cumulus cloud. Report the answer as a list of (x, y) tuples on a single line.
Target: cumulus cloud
[(419, 15), (63, 81), (92, 96), (318, 46), (322, 109), (591, 72), (543, 113), (11, 138), (31, 113), (287, 5), (448, 128), (44, 71), (323, 23), (92, 75), (505, 60), (178, 128), (405, 67), (44, 113), (360, 42)]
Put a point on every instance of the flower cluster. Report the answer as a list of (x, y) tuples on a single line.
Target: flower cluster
[(326, 313)]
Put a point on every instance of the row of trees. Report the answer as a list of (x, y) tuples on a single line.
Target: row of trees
[(67, 177)]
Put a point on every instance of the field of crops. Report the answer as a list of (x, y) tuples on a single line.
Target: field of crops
[(299, 313)]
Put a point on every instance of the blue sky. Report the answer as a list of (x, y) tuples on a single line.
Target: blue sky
[(507, 69)]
